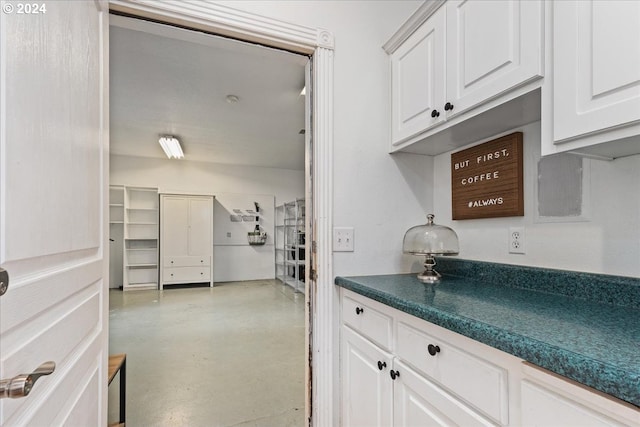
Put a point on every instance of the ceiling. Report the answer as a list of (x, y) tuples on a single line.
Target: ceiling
[(167, 80)]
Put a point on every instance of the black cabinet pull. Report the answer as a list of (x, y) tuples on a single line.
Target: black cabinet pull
[(435, 113), (382, 365), (433, 349), (359, 310), (448, 106), (394, 374)]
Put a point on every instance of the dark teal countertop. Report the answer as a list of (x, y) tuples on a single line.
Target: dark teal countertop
[(594, 343)]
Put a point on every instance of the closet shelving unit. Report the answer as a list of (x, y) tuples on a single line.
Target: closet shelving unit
[(294, 244), (116, 234), (279, 244), (140, 269)]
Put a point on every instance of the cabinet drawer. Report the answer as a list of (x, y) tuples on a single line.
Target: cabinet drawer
[(187, 261), (365, 319), (476, 381), (186, 274)]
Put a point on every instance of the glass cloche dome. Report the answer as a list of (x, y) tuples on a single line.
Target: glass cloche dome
[(430, 239)]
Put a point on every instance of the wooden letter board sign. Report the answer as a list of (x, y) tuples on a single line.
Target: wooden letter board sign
[(486, 180)]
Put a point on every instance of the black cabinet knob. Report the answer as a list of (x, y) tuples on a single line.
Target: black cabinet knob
[(435, 113), (394, 374), (433, 349), (359, 310), (448, 106), (382, 365)]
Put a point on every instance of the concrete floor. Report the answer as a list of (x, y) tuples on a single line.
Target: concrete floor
[(231, 355)]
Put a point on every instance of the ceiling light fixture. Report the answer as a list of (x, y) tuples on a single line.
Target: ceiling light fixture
[(232, 99), (171, 147)]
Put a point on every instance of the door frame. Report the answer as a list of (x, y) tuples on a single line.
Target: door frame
[(319, 43)]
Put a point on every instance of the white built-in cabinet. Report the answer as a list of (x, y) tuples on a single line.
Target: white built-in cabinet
[(466, 54), (492, 47), (398, 370), (567, 403), (366, 382), (186, 239), (418, 76), (463, 71), (593, 92), (133, 237)]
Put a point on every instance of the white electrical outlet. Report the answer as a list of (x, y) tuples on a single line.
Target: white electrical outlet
[(343, 239), (516, 240)]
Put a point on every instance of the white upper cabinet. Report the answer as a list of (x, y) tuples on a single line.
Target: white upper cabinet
[(492, 46), (595, 95), (418, 76), (455, 60)]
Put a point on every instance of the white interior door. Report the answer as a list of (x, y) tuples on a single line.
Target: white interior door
[(53, 185)]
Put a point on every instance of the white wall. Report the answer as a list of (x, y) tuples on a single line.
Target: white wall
[(209, 178), (609, 242), (380, 195), (234, 258), (231, 262)]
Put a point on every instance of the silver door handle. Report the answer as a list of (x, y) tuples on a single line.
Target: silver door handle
[(21, 385)]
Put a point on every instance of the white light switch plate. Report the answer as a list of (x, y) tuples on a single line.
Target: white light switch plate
[(343, 239)]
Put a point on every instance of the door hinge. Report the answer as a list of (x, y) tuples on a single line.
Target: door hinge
[(313, 275), (314, 247)]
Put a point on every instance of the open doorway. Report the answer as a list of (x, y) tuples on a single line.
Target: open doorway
[(173, 96)]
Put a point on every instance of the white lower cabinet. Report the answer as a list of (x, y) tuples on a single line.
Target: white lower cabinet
[(420, 402), (422, 381), (550, 400), (399, 370), (474, 380), (365, 379)]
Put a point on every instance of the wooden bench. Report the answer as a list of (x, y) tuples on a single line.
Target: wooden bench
[(118, 363)]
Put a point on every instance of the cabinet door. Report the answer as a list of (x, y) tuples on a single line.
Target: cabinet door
[(200, 226), (558, 410), (492, 46), (596, 66), (366, 389), (419, 402), (417, 73), (175, 226)]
